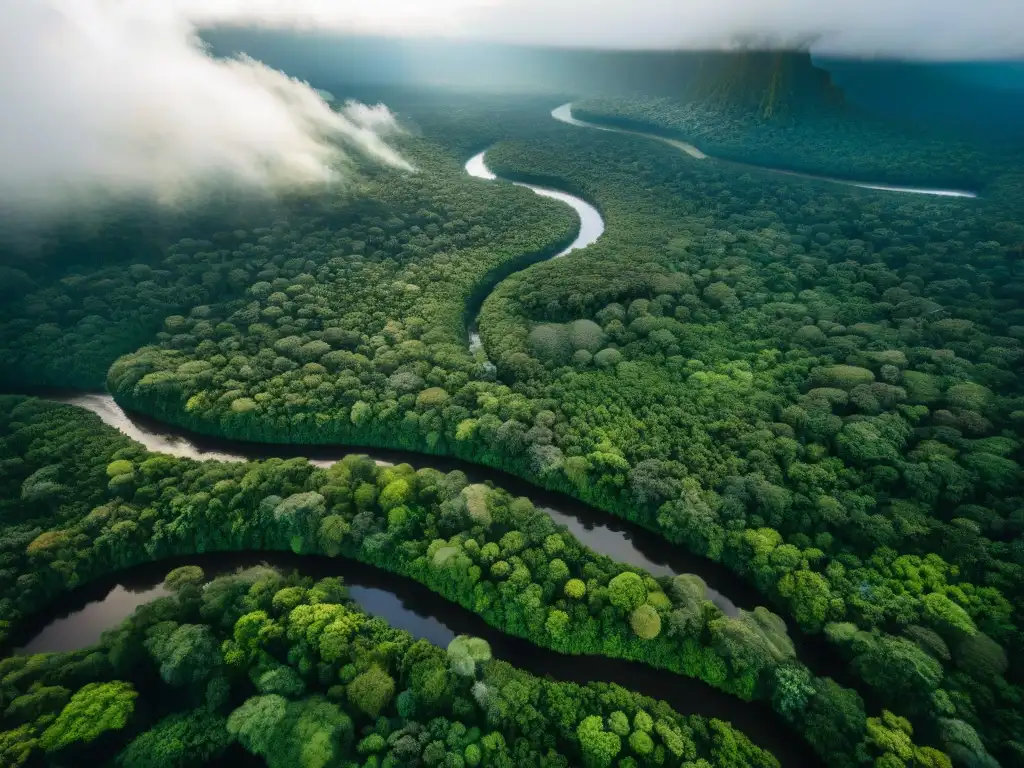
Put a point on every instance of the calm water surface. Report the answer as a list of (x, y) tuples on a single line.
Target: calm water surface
[(601, 532), (84, 614), (79, 619), (564, 114), (591, 223)]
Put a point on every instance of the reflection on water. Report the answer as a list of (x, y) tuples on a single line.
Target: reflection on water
[(79, 619), (157, 442), (591, 223), (405, 604), (389, 606), (620, 545), (603, 533), (159, 439), (564, 114), (83, 627)]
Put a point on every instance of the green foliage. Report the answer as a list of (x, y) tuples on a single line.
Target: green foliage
[(186, 654), (779, 127), (465, 653), (17, 745), (841, 376), (186, 738), (641, 743), (575, 589), (371, 691), (281, 680), (45, 700), (599, 747), (815, 386), (93, 710), (184, 577), (618, 723), (792, 690), (627, 591), (946, 615), (980, 656), (646, 622), (531, 593), (119, 467), (312, 733), (889, 741)]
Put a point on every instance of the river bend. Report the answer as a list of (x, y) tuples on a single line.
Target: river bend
[(601, 532), (591, 223), (564, 114), (78, 619)]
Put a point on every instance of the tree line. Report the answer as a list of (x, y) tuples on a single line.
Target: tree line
[(116, 505), (291, 671), (814, 385)]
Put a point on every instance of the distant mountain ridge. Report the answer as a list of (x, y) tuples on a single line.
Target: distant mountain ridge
[(772, 84)]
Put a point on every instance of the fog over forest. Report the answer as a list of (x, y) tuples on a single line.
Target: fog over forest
[(512, 383)]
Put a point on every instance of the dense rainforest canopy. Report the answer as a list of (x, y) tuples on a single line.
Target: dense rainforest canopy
[(813, 384), (90, 502), (288, 669)]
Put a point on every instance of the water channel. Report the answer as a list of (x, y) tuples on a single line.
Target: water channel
[(78, 619), (591, 223), (564, 114), (618, 539)]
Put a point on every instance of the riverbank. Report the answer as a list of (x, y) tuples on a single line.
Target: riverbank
[(790, 149), (591, 225), (104, 603)]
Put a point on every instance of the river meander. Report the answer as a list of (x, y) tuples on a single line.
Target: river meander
[(616, 538), (564, 114), (78, 619), (591, 223), (606, 534)]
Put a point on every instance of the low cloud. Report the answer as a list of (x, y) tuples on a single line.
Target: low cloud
[(117, 99), (106, 100), (897, 28)]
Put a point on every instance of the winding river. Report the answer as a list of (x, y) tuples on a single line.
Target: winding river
[(564, 114), (78, 619), (84, 614), (617, 538), (591, 223)]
